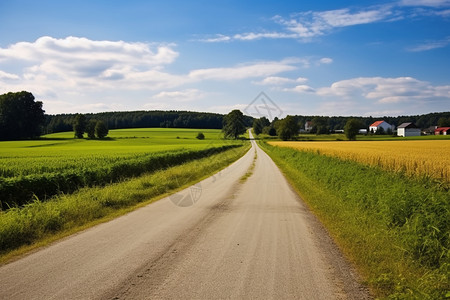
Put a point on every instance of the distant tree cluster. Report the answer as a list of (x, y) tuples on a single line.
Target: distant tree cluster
[(93, 128), (20, 116), (143, 119)]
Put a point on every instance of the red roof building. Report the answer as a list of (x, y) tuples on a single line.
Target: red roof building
[(380, 124), (442, 131)]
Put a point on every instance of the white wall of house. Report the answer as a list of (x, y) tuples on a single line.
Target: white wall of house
[(385, 126)]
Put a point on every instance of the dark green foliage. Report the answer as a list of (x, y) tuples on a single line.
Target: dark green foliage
[(20, 116), (320, 125), (79, 126), (143, 119), (200, 136), (443, 122), (351, 128), (101, 131), (287, 128), (270, 130), (234, 124), (259, 124), (17, 191), (90, 128)]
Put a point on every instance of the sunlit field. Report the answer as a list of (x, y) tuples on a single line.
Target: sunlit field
[(61, 152), (415, 158), (58, 163)]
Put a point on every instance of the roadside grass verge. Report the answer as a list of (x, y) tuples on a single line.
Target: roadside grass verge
[(394, 228), (38, 223)]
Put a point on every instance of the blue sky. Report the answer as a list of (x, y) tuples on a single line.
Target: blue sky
[(369, 58)]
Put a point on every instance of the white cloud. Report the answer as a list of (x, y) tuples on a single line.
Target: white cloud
[(254, 70), (386, 90), (310, 24), (430, 45), (326, 60), (277, 81), (216, 38), (8, 76), (180, 96), (307, 25), (300, 89), (256, 36), (431, 3)]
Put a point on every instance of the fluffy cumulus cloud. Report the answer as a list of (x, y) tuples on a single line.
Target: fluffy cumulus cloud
[(386, 90), (80, 62), (75, 62)]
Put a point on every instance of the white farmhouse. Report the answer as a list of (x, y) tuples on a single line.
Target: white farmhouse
[(408, 129), (380, 124)]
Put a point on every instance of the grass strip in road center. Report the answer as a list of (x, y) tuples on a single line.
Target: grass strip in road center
[(39, 223)]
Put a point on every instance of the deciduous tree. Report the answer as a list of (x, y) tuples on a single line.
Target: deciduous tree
[(234, 124), (79, 125), (351, 128), (101, 130), (20, 116)]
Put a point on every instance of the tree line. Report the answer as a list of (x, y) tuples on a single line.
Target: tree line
[(142, 119), (21, 117)]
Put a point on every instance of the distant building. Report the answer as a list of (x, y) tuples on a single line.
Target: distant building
[(442, 131), (430, 130), (308, 126), (380, 124), (408, 129)]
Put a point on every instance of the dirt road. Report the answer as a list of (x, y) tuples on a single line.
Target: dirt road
[(241, 239)]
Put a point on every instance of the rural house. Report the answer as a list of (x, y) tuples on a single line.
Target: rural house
[(308, 126), (408, 129), (442, 131), (380, 124)]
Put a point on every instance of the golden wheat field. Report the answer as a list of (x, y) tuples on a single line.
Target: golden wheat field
[(417, 158)]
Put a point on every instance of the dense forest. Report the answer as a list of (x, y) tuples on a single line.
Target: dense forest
[(143, 119)]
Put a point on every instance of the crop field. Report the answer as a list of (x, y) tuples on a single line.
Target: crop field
[(59, 163), (394, 227), (429, 158)]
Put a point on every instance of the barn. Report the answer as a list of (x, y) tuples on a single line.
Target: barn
[(408, 129), (442, 131)]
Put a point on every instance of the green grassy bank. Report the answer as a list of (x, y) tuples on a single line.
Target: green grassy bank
[(395, 229)]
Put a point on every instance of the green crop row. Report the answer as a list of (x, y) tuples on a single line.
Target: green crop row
[(19, 190), (395, 228)]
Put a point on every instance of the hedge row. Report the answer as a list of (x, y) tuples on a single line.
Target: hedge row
[(17, 191)]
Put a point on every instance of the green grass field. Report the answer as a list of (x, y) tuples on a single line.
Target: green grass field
[(149, 163), (60, 151), (59, 163)]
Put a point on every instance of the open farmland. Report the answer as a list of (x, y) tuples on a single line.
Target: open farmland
[(59, 163), (415, 158)]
